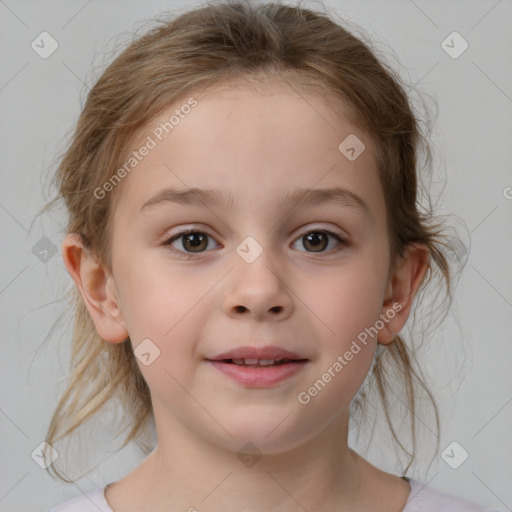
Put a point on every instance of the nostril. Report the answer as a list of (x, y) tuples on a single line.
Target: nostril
[(274, 309)]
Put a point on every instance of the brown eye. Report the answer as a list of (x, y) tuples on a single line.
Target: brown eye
[(318, 241), (193, 241)]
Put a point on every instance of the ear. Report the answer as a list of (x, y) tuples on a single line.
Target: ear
[(97, 288), (401, 290)]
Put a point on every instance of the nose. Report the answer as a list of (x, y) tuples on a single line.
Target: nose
[(258, 290)]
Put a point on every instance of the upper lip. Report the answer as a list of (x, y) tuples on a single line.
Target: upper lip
[(266, 352)]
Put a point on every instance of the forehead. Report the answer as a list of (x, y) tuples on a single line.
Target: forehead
[(244, 140)]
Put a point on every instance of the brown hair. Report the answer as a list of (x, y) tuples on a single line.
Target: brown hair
[(204, 47)]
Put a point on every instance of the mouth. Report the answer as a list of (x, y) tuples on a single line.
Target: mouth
[(260, 363), (259, 367), (262, 356)]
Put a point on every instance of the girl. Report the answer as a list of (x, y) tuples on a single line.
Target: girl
[(246, 244)]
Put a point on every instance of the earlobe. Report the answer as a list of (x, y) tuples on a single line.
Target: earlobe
[(402, 288), (97, 288)]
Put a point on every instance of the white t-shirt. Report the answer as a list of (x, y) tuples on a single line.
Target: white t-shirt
[(421, 499)]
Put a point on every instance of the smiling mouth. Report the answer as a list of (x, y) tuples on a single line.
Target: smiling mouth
[(261, 363), (257, 372)]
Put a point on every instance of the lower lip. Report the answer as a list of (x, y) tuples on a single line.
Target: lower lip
[(259, 377)]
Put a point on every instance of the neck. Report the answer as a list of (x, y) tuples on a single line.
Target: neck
[(192, 472)]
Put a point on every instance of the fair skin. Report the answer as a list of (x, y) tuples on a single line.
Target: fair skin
[(257, 147)]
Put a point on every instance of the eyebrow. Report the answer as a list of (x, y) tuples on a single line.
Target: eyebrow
[(217, 198)]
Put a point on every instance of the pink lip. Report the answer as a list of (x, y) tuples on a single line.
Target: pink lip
[(267, 352), (261, 377)]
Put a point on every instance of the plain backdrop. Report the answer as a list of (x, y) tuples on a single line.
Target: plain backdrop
[(40, 100)]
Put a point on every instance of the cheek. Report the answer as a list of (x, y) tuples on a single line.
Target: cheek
[(163, 314), (347, 301), (158, 297), (173, 325)]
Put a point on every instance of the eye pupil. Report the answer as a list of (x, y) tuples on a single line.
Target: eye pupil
[(189, 238), (317, 238)]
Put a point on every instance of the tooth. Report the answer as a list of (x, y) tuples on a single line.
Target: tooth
[(258, 362)]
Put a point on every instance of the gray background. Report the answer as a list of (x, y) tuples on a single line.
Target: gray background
[(470, 356)]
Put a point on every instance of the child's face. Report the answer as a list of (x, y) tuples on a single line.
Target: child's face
[(299, 294)]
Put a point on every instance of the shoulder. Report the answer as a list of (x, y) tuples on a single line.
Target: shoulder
[(93, 501), (426, 499)]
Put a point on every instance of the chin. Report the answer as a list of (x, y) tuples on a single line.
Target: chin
[(265, 435)]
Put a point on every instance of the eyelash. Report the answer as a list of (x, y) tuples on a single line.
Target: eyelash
[(342, 242)]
